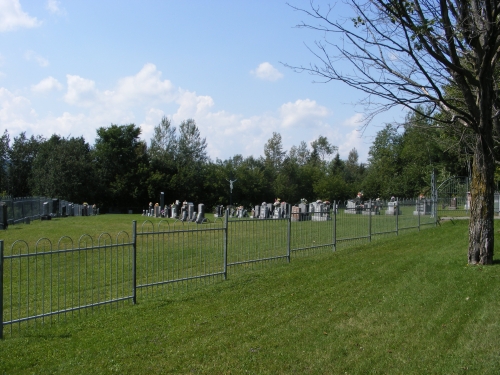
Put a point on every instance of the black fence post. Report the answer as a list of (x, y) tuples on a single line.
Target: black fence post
[(1, 289), (226, 219), (134, 261), (334, 225), (418, 211), (289, 244), (397, 217), (370, 222)]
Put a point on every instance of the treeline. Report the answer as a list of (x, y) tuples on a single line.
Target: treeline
[(122, 172)]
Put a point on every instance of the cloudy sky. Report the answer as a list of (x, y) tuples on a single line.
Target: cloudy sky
[(71, 66)]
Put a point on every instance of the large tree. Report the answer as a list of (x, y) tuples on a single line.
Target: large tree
[(21, 156), (63, 168), (121, 166), (406, 52)]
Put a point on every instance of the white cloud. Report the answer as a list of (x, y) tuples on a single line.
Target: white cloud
[(16, 114), (143, 98), (146, 84), (81, 92), (53, 6), (267, 72), (302, 113), (12, 16), (192, 105), (46, 85), (355, 121), (32, 55), (354, 139)]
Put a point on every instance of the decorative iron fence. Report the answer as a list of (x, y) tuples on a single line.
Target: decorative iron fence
[(53, 281)]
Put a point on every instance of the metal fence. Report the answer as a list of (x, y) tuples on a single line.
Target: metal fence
[(24, 209), (51, 281)]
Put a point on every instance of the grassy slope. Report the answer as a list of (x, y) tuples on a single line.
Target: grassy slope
[(401, 305)]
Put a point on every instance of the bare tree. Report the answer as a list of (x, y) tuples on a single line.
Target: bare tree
[(410, 52)]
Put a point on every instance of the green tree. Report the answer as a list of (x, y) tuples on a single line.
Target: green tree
[(162, 154), (21, 156), (63, 168), (274, 153), (323, 148), (407, 53), (191, 158), (122, 166), (385, 166)]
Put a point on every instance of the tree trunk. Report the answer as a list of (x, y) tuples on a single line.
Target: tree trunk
[(481, 226)]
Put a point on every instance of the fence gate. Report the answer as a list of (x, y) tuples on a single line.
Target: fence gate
[(452, 194)]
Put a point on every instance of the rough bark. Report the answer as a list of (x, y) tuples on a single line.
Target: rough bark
[(481, 226)]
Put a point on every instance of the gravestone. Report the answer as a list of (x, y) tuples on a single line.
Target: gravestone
[(201, 214), (162, 199), (264, 211), (304, 212), (423, 207), (166, 211), (193, 219), (393, 208), (219, 211), (55, 207), (174, 212), (64, 208), (453, 204), (285, 210), (277, 213), (3, 216), (190, 210), (157, 211), (45, 211), (295, 213), (320, 212), (184, 215), (256, 212)]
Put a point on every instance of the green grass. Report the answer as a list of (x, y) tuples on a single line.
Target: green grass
[(400, 305)]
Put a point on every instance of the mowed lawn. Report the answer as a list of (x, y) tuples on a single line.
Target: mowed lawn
[(405, 304)]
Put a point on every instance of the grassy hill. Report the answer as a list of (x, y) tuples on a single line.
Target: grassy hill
[(400, 305)]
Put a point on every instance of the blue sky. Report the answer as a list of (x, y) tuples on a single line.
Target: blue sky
[(70, 67)]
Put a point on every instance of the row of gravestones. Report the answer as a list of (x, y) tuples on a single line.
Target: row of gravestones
[(422, 207), (184, 212), (316, 211), (67, 209)]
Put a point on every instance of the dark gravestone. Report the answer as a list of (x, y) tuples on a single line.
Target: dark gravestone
[(55, 207), (184, 216), (190, 210), (45, 215), (303, 211), (3, 216), (162, 199)]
